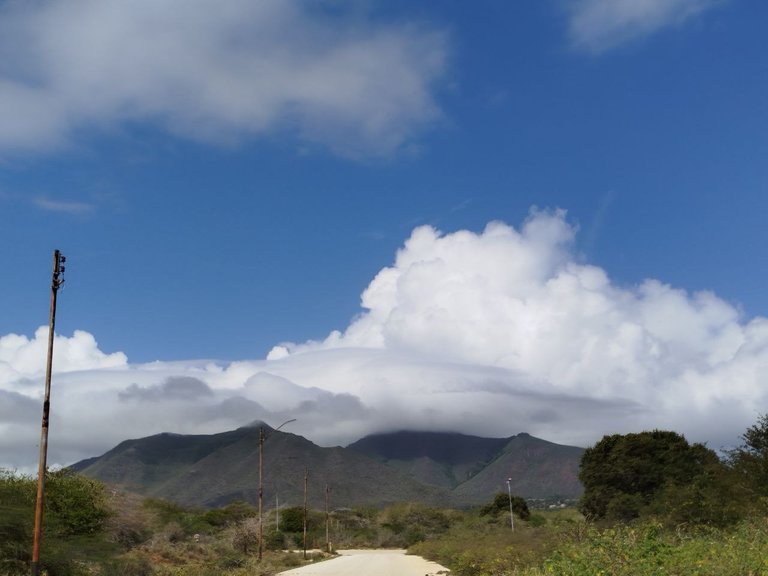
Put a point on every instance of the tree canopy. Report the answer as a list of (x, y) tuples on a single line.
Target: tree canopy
[(749, 461), (500, 503), (625, 476)]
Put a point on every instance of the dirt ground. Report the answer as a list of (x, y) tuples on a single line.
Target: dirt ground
[(371, 563)]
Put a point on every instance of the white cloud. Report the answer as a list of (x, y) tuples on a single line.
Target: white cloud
[(67, 207), (598, 25), (22, 357), (215, 72), (489, 333)]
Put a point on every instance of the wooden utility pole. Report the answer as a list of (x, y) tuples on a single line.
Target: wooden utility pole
[(262, 437), (57, 281)]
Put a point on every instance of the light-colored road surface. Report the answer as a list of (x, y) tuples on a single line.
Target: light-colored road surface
[(370, 563)]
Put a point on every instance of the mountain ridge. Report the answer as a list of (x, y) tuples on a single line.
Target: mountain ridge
[(436, 468)]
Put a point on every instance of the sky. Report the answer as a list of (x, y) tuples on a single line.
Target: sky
[(490, 218)]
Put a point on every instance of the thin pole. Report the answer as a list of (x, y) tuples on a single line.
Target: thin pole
[(511, 515), (306, 480), (261, 491), (262, 438), (56, 282), (327, 520)]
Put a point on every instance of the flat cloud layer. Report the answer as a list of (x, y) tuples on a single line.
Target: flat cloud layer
[(489, 333), (216, 72)]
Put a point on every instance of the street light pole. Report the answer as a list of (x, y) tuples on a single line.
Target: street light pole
[(511, 515), (261, 491), (262, 438), (306, 482)]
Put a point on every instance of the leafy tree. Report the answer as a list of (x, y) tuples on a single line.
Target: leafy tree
[(500, 504), (231, 513), (626, 476), (750, 460)]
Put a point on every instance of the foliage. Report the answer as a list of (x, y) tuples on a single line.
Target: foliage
[(292, 519), (411, 523), (78, 503), (749, 462), (567, 546), (500, 504), (128, 565), (479, 545), (648, 549), (355, 528), (16, 505), (75, 515), (626, 476), (231, 513)]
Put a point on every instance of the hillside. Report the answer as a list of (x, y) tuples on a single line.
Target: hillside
[(537, 469), (439, 458), (214, 469), (475, 468), (430, 467)]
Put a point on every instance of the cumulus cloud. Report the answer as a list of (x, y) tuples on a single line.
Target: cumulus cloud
[(492, 333), (22, 358), (215, 72), (598, 25)]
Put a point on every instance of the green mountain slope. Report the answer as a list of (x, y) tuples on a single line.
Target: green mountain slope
[(438, 458), (430, 467), (476, 468), (215, 469), (537, 469)]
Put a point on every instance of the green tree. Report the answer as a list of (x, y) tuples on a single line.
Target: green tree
[(626, 476), (500, 504), (292, 519), (749, 461)]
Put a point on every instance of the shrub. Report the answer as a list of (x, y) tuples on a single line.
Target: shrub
[(500, 504)]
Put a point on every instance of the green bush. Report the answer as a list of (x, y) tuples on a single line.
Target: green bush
[(647, 549), (135, 565), (75, 515), (633, 475), (77, 503), (500, 504), (411, 523)]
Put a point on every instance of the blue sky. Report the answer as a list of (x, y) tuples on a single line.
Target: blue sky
[(225, 181)]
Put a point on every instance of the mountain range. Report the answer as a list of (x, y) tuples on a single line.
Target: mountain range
[(446, 469)]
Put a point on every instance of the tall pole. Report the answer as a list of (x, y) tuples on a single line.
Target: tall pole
[(306, 481), (261, 491), (327, 520), (262, 438), (511, 515), (57, 281)]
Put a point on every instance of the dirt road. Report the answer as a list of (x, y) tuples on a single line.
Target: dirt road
[(370, 563)]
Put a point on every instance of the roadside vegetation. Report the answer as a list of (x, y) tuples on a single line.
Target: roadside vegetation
[(653, 505)]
